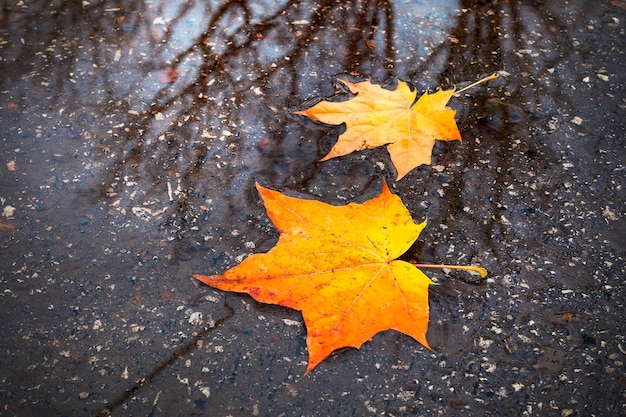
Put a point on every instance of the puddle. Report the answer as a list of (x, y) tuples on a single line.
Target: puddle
[(134, 134)]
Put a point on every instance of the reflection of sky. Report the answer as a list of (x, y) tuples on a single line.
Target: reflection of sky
[(172, 27), (431, 20), (419, 26), (263, 8)]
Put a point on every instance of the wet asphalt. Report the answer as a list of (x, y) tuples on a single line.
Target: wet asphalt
[(134, 134)]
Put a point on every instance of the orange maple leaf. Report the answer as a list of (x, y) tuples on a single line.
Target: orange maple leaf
[(337, 265), (377, 117)]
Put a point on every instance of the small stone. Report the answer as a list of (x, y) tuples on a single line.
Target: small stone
[(83, 395), (609, 214), (489, 367), (496, 329), (8, 211), (517, 386), (577, 120), (206, 391), (135, 328), (484, 343), (195, 318), (603, 77)]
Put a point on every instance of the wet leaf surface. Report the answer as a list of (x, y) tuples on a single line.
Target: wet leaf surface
[(398, 118), (338, 266)]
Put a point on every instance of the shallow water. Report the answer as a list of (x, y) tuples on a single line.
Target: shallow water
[(134, 133)]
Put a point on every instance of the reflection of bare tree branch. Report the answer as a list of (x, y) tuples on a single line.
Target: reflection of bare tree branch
[(223, 122), (530, 42), (241, 74)]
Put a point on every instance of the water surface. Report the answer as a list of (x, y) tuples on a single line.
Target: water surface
[(134, 133)]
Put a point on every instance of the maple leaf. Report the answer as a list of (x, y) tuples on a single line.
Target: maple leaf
[(377, 117), (338, 266)]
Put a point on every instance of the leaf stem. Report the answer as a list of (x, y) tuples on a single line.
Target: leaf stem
[(487, 78), (477, 269)]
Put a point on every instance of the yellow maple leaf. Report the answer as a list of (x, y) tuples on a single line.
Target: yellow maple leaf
[(338, 266), (377, 117)]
